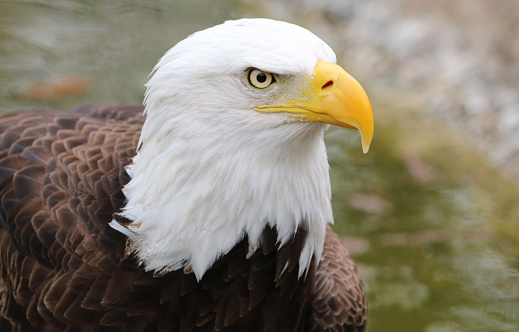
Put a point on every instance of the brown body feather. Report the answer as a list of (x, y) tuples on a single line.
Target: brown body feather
[(62, 268)]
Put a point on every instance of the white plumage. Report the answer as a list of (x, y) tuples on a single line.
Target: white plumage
[(210, 168)]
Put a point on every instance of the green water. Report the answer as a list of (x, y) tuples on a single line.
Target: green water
[(428, 221)]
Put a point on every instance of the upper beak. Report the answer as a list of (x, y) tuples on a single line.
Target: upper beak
[(333, 96)]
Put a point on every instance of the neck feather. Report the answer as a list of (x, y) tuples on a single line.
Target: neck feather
[(191, 198)]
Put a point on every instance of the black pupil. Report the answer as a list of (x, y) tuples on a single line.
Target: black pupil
[(261, 77)]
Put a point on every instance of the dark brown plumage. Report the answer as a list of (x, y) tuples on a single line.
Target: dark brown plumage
[(62, 268)]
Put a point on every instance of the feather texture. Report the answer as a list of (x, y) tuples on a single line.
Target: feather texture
[(64, 268)]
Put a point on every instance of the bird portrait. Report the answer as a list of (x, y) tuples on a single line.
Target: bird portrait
[(207, 208)]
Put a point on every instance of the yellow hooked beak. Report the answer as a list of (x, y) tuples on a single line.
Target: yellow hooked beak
[(333, 96)]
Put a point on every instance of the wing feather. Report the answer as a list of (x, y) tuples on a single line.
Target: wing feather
[(339, 301), (60, 184)]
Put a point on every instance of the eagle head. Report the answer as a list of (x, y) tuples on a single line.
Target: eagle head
[(233, 143)]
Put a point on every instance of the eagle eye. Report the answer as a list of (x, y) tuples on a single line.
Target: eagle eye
[(259, 79)]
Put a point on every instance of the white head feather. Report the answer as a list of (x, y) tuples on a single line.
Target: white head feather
[(212, 170)]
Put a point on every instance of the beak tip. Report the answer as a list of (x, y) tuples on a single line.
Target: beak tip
[(365, 148), (366, 137), (366, 140)]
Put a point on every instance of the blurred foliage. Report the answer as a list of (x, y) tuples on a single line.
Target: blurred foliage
[(440, 222)]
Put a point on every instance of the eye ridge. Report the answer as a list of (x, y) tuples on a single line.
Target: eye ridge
[(259, 79)]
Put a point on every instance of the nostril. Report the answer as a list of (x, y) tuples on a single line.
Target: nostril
[(328, 84)]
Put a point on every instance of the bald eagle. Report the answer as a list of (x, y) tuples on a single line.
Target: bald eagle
[(206, 210)]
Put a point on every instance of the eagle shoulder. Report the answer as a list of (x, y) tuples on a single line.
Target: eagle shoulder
[(61, 175), (338, 302)]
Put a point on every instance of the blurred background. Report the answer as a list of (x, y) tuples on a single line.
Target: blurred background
[(430, 214)]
